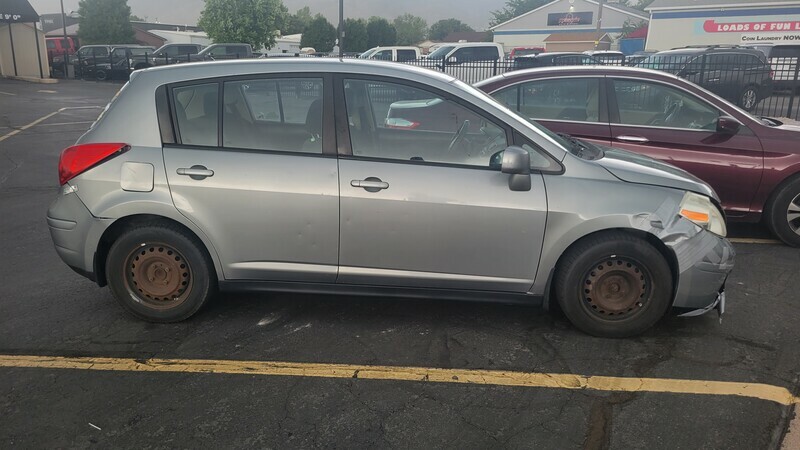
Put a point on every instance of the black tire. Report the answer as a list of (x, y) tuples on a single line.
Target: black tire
[(630, 279), (748, 99), (778, 219), (174, 277), (100, 75)]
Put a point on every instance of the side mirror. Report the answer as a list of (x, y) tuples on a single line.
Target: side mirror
[(517, 163), (728, 125)]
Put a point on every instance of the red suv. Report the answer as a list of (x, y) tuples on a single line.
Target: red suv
[(753, 163)]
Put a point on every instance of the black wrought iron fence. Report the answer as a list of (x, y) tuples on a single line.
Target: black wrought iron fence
[(763, 86)]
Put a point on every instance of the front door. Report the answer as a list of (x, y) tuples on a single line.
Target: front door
[(678, 127), (260, 186), (420, 204)]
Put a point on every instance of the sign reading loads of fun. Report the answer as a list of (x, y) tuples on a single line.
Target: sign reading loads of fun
[(711, 26)]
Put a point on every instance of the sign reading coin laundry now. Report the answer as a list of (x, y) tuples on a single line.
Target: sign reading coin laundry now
[(712, 26), (753, 38)]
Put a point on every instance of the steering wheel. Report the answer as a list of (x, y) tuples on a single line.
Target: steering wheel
[(668, 115), (459, 136)]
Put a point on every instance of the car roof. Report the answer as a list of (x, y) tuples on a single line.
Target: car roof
[(200, 70), (551, 54), (697, 50)]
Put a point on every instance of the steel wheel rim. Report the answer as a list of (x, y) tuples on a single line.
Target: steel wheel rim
[(616, 288), (749, 98), (793, 214), (158, 276)]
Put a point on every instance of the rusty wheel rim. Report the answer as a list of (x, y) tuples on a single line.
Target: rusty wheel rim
[(616, 288), (158, 276)]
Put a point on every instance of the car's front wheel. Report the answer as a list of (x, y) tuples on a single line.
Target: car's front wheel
[(783, 213), (748, 98), (613, 285), (159, 273), (100, 75)]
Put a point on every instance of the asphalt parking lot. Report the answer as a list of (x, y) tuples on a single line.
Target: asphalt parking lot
[(206, 382)]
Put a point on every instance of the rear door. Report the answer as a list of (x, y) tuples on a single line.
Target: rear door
[(571, 105), (421, 206), (678, 127), (253, 165)]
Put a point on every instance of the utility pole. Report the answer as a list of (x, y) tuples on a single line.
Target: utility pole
[(64, 24), (599, 23)]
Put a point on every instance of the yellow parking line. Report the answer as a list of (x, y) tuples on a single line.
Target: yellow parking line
[(753, 241), (767, 392)]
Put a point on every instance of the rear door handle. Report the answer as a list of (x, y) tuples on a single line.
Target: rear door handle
[(636, 139), (370, 184), (196, 172)]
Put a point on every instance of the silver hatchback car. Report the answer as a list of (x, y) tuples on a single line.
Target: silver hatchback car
[(374, 178)]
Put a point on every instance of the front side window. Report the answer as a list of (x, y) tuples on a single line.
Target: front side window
[(383, 55), (654, 104), (196, 111), (574, 99), (274, 114), (399, 122)]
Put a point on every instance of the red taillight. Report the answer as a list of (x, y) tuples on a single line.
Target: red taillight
[(79, 158)]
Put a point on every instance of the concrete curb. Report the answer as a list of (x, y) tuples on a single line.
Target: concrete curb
[(791, 440), (33, 79)]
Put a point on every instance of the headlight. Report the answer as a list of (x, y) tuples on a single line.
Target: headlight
[(703, 212)]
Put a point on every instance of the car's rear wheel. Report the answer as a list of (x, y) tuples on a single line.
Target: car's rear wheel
[(159, 273), (783, 213), (748, 98), (613, 285)]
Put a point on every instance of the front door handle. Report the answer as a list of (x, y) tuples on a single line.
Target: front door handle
[(370, 184), (196, 172), (636, 139)]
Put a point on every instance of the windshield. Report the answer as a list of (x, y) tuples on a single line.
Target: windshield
[(527, 51), (368, 53), (440, 52), (667, 63)]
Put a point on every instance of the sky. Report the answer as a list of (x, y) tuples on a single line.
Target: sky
[(474, 12)]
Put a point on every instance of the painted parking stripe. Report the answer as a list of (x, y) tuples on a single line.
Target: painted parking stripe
[(760, 391), (42, 119), (753, 241)]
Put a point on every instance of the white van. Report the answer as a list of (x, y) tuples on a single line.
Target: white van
[(396, 53), (468, 61)]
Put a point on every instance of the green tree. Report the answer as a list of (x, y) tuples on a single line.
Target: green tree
[(442, 28), (380, 32), (319, 34), (105, 22), (515, 8), (411, 29), (638, 4), (355, 35), (254, 22), (297, 22)]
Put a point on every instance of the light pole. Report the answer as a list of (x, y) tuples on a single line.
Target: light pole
[(341, 28)]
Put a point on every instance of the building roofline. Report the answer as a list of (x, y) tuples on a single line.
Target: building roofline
[(718, 6), (523, 15)]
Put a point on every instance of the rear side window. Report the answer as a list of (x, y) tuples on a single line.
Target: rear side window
[(274, 114), (573, 99), (196, 111), (406, 55)]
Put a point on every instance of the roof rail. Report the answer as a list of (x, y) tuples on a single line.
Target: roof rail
[(710, 46)]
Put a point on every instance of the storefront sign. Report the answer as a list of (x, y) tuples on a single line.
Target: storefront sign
[(755, 38), (712, 26), (566, 19)]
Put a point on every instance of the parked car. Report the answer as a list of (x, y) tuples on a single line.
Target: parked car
[(115, 66), (741, 75), (554, 59), (783, 60), (202, 192), (166, 54), (215, 52), (396, 53), (607, 57), (632, 60), (753, 163), (467, 61), (59, 46), (525, 51)]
